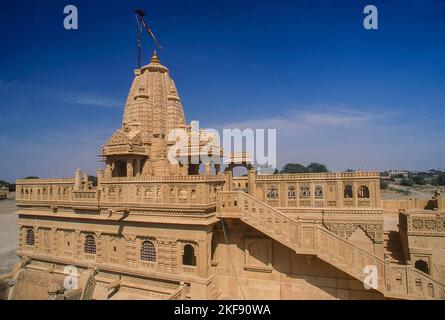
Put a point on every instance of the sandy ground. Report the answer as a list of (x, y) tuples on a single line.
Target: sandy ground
[(8, 235), (401, 192)]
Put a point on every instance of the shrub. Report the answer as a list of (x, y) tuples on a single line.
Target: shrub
[(407, 182)]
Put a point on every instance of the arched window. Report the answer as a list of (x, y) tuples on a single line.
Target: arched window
[(291, 192), (305, 192), (30, 239), (90, 244), (148, 251), (182, 194), (348, 191), (272, 192), (363, 192), (188, 257), (422, 266), (318, 191)]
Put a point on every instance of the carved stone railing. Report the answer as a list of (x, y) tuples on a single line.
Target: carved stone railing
[(44, 189), (327, 175), (349, 258), (307, 238), (189, 178), (168, 191), (179, 294), (404, 281)]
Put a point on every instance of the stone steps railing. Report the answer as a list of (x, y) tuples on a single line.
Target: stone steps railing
[(179, 294), (312, 238)]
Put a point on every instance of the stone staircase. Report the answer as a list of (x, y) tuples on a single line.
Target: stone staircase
[(312, 238), (393, 247)]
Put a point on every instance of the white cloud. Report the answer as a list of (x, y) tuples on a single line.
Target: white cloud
[(16, 90)]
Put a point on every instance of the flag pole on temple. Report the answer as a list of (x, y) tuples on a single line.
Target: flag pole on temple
[(142, 23)]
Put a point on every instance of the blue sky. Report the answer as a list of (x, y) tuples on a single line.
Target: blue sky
[(336, 93)]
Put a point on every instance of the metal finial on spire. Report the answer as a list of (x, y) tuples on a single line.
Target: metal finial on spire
[(155, 58)]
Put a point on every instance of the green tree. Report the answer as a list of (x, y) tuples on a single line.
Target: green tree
[(93, 179), (315, 167), (383, 184), (294, 168), (419, 180), (10, 186), (441, 180)]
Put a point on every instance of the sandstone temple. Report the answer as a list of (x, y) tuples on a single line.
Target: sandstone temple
[(152, 229)]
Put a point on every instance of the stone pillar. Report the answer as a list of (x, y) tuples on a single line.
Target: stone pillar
[(86, 185), (339, 195), (161, 255), (440, 202), (54, 242), (100, 175), (229, 180), (129, 167), (37, 240), (108, 170), (377, 196), (312, 194), (138, 167), (202, 259), (22, 238), (208, 169), (78, 180), (99, 247), (217, 169), (251, 181), (354, 194), (174, 256), (78, 244), (133, 250)]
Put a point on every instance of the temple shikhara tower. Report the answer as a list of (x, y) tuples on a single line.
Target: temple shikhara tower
[(153, 229), (152, 110)]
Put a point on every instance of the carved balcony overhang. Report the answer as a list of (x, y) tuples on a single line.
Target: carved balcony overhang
[(123, 150), (423, 222)]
